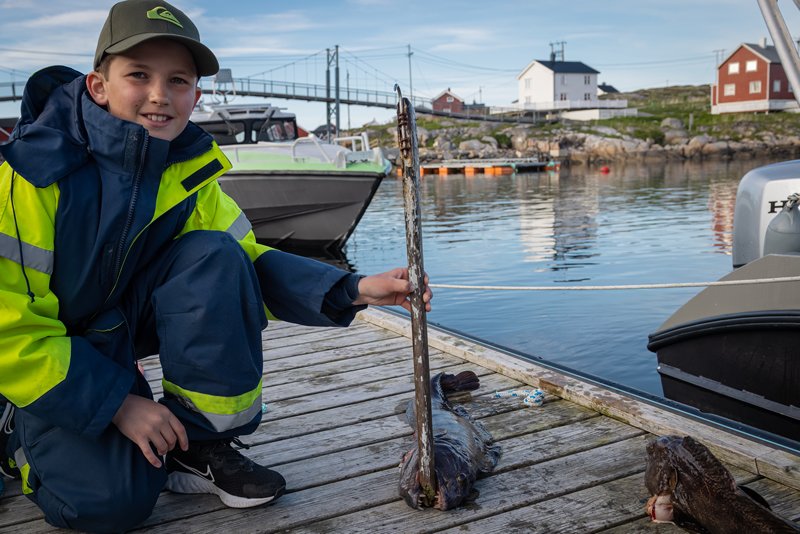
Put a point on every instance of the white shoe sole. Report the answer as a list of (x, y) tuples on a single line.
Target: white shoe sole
[(179, 482)]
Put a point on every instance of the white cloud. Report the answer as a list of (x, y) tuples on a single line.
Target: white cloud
[(69, 19)]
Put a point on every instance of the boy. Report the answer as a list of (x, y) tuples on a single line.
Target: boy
[(116, 242)]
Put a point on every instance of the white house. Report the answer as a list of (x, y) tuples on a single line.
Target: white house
[(557, 81), (564, 86)]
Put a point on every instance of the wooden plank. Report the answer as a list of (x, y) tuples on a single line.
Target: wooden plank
[(733, 449), (587, 510), (289, 424), (377, 492)]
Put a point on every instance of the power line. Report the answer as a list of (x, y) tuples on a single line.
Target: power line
[(694, 59), (44, 52)]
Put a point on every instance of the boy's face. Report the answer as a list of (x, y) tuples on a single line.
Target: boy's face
[(153, 84)]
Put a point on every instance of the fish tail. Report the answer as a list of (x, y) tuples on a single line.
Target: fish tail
[(463, 381)]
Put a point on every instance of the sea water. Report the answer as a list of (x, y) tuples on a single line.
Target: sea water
[(637, 224)]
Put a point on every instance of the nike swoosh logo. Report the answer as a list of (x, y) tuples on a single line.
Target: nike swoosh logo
[(207, 475)]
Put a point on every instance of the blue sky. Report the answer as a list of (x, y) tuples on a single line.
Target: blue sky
[(475, 48)]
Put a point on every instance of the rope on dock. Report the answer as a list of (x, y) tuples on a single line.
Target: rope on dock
[(629, 286)]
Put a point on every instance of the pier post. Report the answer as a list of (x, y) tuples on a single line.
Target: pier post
[(409, 152)]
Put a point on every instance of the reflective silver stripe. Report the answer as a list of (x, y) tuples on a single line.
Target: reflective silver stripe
[(222, 423), (19, 458), (35, 257), (240, 227)]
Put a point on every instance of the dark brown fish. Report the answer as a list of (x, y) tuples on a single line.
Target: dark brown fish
[(462, 447), (691, 488)]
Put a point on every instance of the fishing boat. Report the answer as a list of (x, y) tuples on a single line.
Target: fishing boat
[(732, 350), (298, 192)]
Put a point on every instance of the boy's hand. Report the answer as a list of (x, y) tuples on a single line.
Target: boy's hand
[(390, 289), (147, 422)]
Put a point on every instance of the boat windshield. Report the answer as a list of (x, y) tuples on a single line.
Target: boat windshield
[(237, 132)]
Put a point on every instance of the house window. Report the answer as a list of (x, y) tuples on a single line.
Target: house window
[(755, 86), (751, 66), (527, 83), (729, 89), (776, 86), (446, 110), (562, 96), (449, 99), (587, 80), (527, 100), (733, 68), (587, 96)]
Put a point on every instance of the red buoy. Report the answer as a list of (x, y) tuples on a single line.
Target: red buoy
[(604, 169)]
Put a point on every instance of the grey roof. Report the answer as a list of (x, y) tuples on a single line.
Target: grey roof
[(568, 67), (768, 52)]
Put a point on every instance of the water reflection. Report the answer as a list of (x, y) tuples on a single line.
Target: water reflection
[(637, 224)]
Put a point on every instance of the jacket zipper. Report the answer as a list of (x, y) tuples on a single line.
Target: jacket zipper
[(131, 207)]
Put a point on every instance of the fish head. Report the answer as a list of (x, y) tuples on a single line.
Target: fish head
[(661, 474), (410, 486), (455, 475)]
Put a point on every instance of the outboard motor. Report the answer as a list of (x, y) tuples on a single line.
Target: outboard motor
[(762, 194), (783, 232), (731, 350)]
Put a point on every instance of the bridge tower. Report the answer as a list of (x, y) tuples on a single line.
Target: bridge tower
[(332, 105)]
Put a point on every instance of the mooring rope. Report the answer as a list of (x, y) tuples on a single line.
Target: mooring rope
[(629, 286)]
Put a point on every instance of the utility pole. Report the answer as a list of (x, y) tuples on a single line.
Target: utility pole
[(410, 85), (338, 100), (347, 77)]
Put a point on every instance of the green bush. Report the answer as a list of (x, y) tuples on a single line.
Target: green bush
[(503, 140)]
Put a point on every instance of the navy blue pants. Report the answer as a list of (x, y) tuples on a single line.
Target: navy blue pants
[(200, 307)]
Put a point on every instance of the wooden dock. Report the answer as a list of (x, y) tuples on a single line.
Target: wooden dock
[(471, 167), (335, 428)]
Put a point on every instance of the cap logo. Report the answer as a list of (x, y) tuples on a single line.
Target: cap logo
[(162, 13)]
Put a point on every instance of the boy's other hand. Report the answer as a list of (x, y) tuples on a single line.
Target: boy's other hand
[(391, 288), (147, 422)]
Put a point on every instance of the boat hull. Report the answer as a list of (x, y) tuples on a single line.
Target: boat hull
[(302, 209), (732, 351)]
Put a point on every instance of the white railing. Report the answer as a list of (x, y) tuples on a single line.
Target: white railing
[(559, 105)]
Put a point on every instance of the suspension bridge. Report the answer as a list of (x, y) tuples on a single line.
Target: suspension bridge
[(224, 87)]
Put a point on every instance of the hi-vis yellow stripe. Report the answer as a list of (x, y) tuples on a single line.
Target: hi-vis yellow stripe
[(215, 404)]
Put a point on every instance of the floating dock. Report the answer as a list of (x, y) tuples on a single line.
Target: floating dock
[(487, 166), (335, 428)]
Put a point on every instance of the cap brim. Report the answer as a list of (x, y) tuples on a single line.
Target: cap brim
[(204, 58)]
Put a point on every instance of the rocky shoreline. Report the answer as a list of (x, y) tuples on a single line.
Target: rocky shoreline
[(585, 145)]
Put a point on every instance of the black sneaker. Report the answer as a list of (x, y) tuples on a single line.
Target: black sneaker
[(216, 467), (8, 467)]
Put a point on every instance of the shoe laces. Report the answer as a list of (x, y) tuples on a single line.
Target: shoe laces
[(223, 450)]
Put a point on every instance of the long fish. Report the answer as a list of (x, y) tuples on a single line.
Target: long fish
[(463, 448), (692, 489)]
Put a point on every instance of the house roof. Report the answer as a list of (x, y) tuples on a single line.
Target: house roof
[(562, 67), (447, 92), (768, 53), (607, 88)]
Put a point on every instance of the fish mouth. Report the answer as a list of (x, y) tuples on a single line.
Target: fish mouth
[(659, 508)]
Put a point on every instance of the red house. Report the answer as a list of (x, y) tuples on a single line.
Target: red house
[(448, 102), (752, 79), (6, 125)]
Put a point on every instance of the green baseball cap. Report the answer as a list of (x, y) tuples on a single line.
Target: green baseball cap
[(132, 22)]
